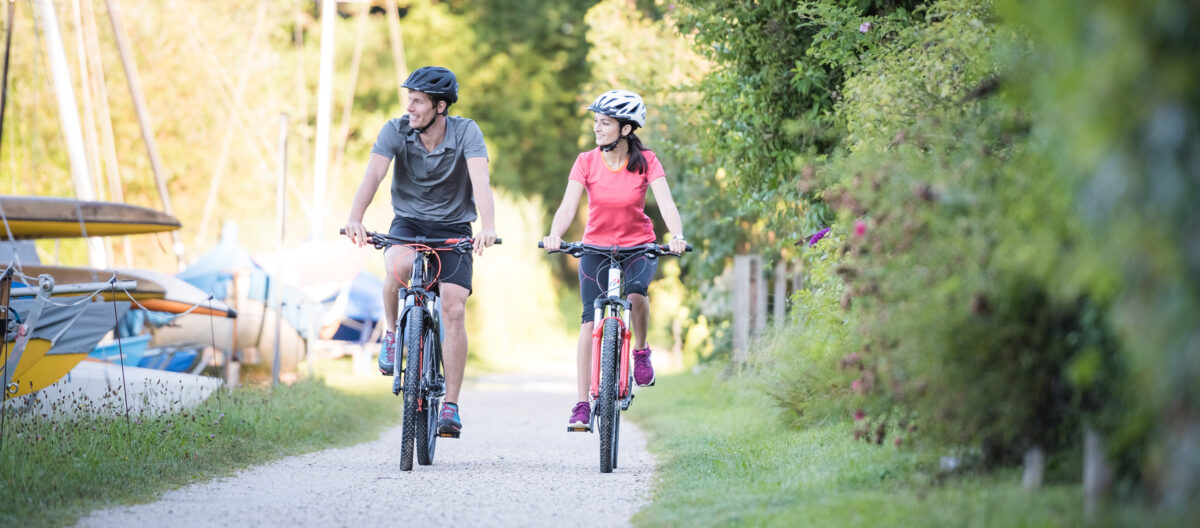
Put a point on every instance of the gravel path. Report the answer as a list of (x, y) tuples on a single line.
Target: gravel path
[(515, 465)]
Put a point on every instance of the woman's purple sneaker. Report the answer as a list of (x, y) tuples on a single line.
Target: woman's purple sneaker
[(643, 371), (581, 417)]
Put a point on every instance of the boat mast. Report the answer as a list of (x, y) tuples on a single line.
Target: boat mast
[(139, 104), (69, 117), (324, 104)]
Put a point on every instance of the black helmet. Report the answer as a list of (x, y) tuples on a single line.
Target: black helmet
[(435, 81)]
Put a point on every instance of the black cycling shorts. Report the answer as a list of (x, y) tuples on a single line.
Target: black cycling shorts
[(456, 267), (637, 268)]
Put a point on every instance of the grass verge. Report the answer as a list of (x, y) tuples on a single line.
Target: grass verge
[(727, 459), (54, 471)]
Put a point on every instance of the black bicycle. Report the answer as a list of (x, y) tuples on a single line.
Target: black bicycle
[(612, 378), (420, 379)]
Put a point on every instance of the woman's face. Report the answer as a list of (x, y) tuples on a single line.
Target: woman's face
[(421, 109), (607, 129)]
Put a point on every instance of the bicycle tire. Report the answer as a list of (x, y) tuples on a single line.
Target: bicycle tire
[(427, 445), (607, 406), (414, 421)]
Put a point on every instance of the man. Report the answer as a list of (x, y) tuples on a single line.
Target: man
[(440, 177)]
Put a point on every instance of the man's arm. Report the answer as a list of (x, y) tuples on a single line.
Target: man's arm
[(481, 183), (376, 171)]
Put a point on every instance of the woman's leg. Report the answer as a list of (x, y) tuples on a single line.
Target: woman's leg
[(640, 319), (584, 360)]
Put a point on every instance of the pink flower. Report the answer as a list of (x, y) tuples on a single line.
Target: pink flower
[(859, 415), (860, 228), (856, 386), (864, 27)]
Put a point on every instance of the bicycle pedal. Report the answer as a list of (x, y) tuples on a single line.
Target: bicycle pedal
[(625, 403), (448, 435), (579, 428)]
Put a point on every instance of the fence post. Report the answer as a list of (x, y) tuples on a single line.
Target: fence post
[(780, 308), (749, 303)]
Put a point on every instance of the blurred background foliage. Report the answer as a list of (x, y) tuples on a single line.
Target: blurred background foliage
[(1011, 185)]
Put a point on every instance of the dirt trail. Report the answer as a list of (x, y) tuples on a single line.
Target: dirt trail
[(515, 465)]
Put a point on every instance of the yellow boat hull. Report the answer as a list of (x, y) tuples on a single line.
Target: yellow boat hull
[(37, 370)]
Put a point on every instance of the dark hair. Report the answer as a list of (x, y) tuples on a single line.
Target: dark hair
[(637, 162)]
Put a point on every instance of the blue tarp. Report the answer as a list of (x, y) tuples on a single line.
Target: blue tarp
[(366, 298)]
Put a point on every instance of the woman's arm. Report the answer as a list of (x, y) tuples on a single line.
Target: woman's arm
[(564, 216), (670, 214)]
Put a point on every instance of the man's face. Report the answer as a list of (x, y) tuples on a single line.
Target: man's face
[(421, 109)]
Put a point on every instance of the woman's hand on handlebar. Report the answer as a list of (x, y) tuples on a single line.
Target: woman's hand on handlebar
[(678, 245), (551, 243), (357, 233)]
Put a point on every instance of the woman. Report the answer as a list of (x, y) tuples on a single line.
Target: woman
[(615, 174)]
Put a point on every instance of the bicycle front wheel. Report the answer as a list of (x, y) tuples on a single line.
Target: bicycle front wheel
[(415, 419), (431, 402), (607, 407)]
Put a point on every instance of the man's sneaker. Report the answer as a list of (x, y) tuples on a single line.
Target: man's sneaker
[(643, 372), (449, 424), (387, 354), (581, 417)]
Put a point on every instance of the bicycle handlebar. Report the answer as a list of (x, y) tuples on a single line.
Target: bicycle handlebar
[(381, 240), (579, 248)]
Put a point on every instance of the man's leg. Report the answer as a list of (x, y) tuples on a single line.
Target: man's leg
[(454, 350), (391, 282), (399, 264)]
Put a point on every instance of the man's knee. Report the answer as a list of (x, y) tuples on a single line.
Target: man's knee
[(454, 302)]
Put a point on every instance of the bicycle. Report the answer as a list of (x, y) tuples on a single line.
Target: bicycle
[(611, 389), (419, 344)]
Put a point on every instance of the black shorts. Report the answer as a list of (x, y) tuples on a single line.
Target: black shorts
[(638, 270), (456, 268)]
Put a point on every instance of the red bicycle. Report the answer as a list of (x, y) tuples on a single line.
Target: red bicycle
[(612, 378)]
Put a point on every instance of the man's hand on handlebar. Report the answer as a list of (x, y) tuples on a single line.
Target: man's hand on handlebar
[(357, 233), (484, 239)]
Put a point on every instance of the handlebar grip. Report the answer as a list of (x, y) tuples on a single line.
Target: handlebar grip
[(561, 245)]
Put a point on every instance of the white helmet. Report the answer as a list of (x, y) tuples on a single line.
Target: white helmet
[(621, 104)]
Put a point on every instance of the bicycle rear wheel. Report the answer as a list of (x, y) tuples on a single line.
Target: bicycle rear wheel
[(608, 408), (429, 375), (414, 425)]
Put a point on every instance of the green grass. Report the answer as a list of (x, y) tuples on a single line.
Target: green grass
[(53, 472), (727, 459)]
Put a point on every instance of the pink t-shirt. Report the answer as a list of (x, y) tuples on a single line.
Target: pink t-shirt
[(616, 199)]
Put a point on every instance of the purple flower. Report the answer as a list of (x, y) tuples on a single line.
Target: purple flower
[(860, 228), (864, 27), (818, 236), (859, 415)]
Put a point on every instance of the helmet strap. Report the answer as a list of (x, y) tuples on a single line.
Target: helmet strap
[(426, 127), (609, 147)]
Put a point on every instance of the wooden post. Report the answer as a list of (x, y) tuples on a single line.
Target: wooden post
[(779, 311), (749, 303), (759, 322)]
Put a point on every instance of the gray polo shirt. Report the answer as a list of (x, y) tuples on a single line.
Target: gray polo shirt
[(432, 186)]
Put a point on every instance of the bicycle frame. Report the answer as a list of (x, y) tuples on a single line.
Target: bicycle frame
[(612, 306)]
